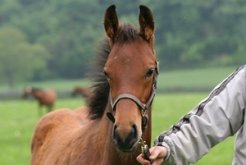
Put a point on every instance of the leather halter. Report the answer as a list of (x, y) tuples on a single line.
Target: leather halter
[(143, 106)]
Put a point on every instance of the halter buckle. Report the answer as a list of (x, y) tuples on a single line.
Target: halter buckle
[(143, 110), (144, 149)]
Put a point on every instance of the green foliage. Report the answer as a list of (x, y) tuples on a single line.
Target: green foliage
[(195, 33), (18, 58), (189, 33)]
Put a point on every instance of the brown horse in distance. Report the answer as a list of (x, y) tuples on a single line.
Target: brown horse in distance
[(109, 130), (82, 91), (44, 97)]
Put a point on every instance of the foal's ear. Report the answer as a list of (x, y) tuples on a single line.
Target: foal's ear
[(146, 22), (111, 22)]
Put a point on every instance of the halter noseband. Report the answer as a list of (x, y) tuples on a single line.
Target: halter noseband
[(143, 106)]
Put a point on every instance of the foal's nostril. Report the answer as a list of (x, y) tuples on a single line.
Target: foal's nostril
[(127, 142), (134, 131)]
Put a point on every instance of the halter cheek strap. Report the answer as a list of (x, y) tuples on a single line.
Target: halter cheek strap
[(143, 106)]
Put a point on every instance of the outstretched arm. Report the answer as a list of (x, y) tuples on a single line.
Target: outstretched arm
[(220, 115)]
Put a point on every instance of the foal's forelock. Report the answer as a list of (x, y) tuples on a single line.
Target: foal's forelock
[(127, 33)]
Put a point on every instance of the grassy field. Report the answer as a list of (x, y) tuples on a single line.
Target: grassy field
[(196, 79), (18, 119)]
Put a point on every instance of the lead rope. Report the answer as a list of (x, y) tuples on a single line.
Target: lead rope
[(144, 149)]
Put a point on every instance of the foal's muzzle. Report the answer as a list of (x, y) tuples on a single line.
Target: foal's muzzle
[(125, 143)]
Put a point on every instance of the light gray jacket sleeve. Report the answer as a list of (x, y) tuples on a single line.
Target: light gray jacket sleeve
[(220, 115)]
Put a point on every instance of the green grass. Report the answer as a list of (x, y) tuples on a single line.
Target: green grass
[(200, 78), (18, 119)]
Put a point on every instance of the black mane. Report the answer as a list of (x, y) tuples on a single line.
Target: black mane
[(101, 88)]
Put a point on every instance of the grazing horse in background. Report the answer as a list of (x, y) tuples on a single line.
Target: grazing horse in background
[(45, 98), (109, 130), (82, 91)]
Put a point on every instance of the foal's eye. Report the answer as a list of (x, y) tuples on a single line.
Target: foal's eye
[(150, 72)]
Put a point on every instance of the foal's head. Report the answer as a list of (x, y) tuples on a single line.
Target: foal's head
[(131, 69)]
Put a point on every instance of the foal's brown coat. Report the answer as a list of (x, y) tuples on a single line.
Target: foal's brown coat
[(84, 136)]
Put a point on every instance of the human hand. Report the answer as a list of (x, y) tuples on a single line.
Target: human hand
[(157, 155)]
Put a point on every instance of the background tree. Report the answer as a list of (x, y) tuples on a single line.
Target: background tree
[(19, 59), (189, 33)]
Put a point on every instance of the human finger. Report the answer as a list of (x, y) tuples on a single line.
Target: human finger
[(142, 160)]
